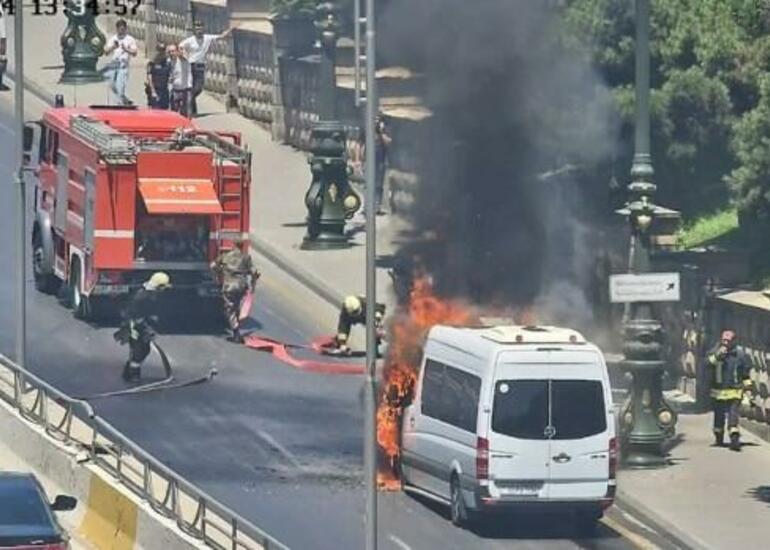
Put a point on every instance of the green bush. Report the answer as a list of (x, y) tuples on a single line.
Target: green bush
[(293, 8), (708, 228)]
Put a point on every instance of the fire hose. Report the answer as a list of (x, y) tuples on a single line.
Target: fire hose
[(168, 382), (280, 351)]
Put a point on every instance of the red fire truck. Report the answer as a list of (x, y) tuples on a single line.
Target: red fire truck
[(123, 192)]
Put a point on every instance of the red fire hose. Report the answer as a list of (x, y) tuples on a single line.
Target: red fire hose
[(281, 352)]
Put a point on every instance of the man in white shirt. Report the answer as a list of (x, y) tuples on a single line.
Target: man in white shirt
[(3, 45), (195, 48), (123, 47), (181, 81)]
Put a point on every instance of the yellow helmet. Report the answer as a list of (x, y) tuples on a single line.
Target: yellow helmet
[(352, 305), (158, 281)]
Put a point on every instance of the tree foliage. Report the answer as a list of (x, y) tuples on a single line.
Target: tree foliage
[(293, 8), (711, 94)]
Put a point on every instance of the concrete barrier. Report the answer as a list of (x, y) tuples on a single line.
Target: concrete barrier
[(108, 516)]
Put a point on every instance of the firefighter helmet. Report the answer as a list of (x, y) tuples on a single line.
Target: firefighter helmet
[(352, 305), (158, 281)]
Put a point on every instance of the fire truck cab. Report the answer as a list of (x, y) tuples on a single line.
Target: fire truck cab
[(120, 193)]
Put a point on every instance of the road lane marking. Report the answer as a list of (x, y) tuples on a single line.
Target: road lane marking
[(398, 542), (637, 540), (281, 449)]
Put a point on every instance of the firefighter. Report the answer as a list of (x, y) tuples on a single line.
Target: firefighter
[(237, 274), (137, 329), (729, 381), (353, 312)]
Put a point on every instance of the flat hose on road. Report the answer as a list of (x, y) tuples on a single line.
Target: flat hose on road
[(159, 385), (280, 351)]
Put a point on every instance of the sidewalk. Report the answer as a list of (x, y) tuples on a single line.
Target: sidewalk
[(708, 497)]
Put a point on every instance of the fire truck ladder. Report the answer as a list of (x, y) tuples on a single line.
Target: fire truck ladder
[(227, 152), (114, 147)]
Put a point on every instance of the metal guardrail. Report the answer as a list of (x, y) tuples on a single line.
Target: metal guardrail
[(74, 423)]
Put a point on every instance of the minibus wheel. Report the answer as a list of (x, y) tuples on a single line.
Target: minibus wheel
[(459, 512)]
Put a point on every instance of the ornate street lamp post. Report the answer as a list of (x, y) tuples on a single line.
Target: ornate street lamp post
[(330, 200), (646, 419), (82, 43)]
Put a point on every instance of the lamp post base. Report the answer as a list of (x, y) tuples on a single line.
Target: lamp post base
[(325, 241), (80, 76), (642, 456), (646, 419)]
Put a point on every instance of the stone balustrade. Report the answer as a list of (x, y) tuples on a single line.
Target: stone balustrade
[(279, 92), (256, 74)]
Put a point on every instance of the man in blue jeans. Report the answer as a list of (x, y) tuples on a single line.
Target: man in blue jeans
[(122, 46)]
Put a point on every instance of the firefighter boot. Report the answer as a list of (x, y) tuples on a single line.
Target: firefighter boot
[(719, 438), (235, 336), (735, 441), (132, 372)]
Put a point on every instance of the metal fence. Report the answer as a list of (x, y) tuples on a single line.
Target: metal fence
[(74, 423)]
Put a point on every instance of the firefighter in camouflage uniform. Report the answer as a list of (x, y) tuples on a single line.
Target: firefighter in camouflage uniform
[(729, 373), (238, 275)]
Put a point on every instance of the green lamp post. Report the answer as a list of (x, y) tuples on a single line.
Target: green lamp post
[(82, 43), (646, 419), (330, 200)]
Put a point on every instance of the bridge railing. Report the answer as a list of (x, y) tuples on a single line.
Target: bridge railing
[(74, 423)]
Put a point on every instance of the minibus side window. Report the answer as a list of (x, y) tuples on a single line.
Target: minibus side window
[(450, 395), (432, 382), (461, 398)]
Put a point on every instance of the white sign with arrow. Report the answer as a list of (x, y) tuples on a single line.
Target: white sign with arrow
[(646, 287)]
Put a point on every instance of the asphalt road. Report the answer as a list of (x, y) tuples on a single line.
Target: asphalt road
[(280, 446)]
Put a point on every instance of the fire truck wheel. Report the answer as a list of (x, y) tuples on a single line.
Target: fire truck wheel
[(48, 283), (81, 305)]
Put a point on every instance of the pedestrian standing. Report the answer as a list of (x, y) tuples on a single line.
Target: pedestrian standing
[(236, 271), (195, 48), (382, 141), (729, 381), (3, 46), (181, 81), (123, 47), (158, 79)]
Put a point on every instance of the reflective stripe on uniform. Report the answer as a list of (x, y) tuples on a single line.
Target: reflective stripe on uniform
[(727, 394)]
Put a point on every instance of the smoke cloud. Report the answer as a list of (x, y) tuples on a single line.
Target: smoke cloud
[(505, 212)]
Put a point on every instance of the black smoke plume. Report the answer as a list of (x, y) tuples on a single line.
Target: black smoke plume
[(509, 196)]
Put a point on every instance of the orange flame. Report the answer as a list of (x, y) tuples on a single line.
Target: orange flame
[(404, 355)]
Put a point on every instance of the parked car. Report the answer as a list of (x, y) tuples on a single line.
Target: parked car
[(511, 419), (27, 520)]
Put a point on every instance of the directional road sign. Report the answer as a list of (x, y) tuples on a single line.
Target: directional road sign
[(647, 287)]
